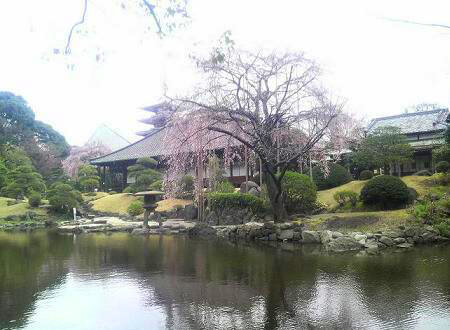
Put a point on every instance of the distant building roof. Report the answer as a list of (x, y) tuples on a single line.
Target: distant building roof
[(153, 145), (107, 137), (415, 122)]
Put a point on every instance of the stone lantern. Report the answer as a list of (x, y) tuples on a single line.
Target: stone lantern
[(150, 200)]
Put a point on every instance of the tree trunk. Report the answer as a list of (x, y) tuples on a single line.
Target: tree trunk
[(276, 199)]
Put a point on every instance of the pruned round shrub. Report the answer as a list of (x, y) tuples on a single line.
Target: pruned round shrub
[(224, 186), (34, 200), (385, 191), (135, 208), (423, 173), (157, 185), (442, 167), (300, 192), (366, 175), (220, 201), (338, 175), (441, 179), (62, 197)]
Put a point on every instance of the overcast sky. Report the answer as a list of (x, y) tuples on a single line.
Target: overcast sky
[(379, 66)]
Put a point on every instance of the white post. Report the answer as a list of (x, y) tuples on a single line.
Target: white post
[(74, 214)]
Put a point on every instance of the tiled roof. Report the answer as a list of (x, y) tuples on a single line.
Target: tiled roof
[(424, 121), (150, 146)]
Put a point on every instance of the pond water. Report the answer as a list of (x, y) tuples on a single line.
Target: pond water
[(95, 281)]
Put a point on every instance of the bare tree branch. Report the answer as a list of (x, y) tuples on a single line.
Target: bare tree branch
[(69, 37)]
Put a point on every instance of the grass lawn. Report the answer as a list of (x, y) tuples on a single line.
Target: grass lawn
[(17, 209), (361, 221), (98, 195), (420, 183), (118, 203)]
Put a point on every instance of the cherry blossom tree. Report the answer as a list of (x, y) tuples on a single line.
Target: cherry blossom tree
[(271, 105), (81, 155)]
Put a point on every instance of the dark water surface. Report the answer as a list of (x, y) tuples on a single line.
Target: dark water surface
[(96, 281)]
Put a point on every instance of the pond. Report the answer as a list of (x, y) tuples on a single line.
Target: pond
[(98, 281)]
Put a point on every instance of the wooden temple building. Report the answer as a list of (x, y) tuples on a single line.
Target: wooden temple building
[(153, 145)]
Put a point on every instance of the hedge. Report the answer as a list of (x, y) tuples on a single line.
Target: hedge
[(385, 191), (220, 201), (338, 176), (366, 175), (300, 191), (442, 167)]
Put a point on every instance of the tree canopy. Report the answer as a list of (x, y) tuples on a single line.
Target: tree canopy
[(384, 147), (271, 104)]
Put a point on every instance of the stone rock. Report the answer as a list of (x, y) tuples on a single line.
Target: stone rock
[(428, 237), (399, 240), (386, 240), (405, 245), (140, 231), (309, 236), (373, 249), (297, 236), (254, 191), (250, 185), (337, 234), (269, 225), (272, 237), (326, 236), (286, 234), (394, 234), (342, 244), (202, 230), (190, 212)]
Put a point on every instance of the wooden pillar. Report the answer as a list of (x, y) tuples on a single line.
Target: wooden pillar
[(260, 172), (104, 178), (124, 176)]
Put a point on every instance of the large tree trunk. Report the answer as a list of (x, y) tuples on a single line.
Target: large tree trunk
[(276, 199)]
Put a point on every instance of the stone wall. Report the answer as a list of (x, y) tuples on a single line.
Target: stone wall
[(333, 241)]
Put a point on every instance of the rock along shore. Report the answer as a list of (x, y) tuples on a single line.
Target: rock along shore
[(332, 241)]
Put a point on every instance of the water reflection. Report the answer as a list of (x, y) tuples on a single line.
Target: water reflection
[(119, 281)]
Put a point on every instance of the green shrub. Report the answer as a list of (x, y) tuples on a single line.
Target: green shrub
[(129, 190), (62, 198), (34, 200), (385, 191), (338, 175), (441, 179), (300, 192), (220, 201), (412, 195), (135, 208), (91, 194), (434, 212), (423, 173), (365, 175), (224, 186), (346, 196), (442, 167), (187, 184), (157, 185)]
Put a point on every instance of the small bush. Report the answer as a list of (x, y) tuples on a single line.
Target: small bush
[(187, 184), (34, 200), (224, 187), (365, 175), (220, 201), (385, 191), (441, 179), (423, 173), (442, 167), (91, 194), (129, 190), (112, 192), (157, 185), (62, 198), (135, 208), (338, 176), (300, 191), (346, 196)]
